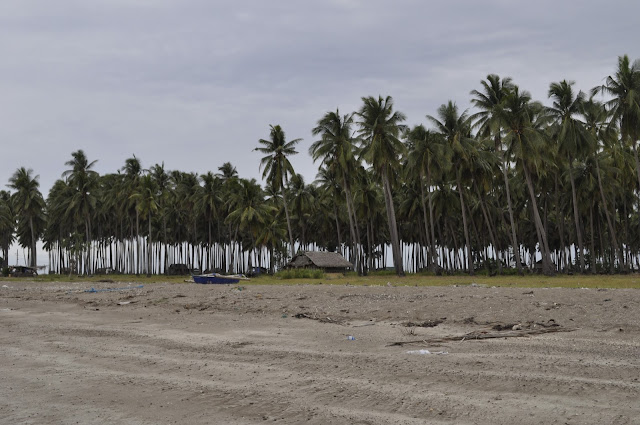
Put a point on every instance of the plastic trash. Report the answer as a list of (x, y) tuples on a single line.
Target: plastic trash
[(426, 352), (351, 338)]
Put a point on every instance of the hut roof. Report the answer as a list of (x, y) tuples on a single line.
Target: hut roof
[(324, 259)]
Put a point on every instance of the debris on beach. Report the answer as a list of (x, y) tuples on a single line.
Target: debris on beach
[(499, 331), (315, 317), (128, 288), (427, 352), (425, 324)]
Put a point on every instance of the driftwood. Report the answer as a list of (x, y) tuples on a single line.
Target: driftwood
[(319, 319), (425, 324), (484, 335)]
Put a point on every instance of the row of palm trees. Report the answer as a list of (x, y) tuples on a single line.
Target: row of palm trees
[(515, 185)]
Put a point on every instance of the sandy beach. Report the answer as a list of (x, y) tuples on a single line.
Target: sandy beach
[(205, 354)]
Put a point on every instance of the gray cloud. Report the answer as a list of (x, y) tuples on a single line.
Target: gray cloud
[(195, 83)]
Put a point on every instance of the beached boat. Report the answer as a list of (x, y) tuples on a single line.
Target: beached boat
[(215, 278)]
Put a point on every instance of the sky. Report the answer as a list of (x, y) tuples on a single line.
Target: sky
[(196, 83)]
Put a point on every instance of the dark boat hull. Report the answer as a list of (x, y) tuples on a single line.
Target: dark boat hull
[(215, 279)]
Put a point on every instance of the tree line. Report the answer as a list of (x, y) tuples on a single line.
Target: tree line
[(515, 185)]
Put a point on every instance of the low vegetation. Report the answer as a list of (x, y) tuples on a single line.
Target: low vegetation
[(311, 277)]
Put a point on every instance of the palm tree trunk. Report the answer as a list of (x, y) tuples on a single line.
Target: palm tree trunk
[(560, 223), (464, 224), (426, 225), (393, 227), (335, 213), (542, 237), (138, 248), (166, 250), (489, 227), (576, 215), (628, 254), (514, 239), (369, 241), (209, 247), (592, 266), (33, 261), (149, 247), (612, 232), (5, 255), (431, 222), (353, 227), (635, 156), (231, 251), (371, 264), (87, 226), (359, 247), (286, 211)]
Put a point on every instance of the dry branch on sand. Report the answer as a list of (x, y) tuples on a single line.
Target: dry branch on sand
[(485, 335), (318, 318)]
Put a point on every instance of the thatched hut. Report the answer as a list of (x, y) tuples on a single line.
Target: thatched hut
[(329, 262)]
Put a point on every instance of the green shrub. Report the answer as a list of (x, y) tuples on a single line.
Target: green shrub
[(300, 274)]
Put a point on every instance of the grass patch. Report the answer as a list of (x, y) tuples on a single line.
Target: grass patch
[(295, 277), (527, 281)]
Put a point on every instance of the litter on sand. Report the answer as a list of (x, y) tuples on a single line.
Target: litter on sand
[(426, 352), (114, 289)]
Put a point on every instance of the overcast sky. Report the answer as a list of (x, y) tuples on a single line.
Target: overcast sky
[(196, 83)]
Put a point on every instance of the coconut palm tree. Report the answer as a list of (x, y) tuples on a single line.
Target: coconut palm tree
[(227, 171), (572, 138), (336, 149), (368, 200), (185, 196), (490, 101), (302, 202), (28, 205), (228, 176), (596, 118), (428, 155), (115, 207), (331, 190), (133, 171), (277, 167), (7, 226), (163, 181), (523, 120), (81, 205), (455, 128), (208, 203), (58, 229), (248, 211), (145, 196), (273, 233), (380, 129), (624, 87)]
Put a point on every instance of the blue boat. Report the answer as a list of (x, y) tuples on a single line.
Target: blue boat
[(215, 278)]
